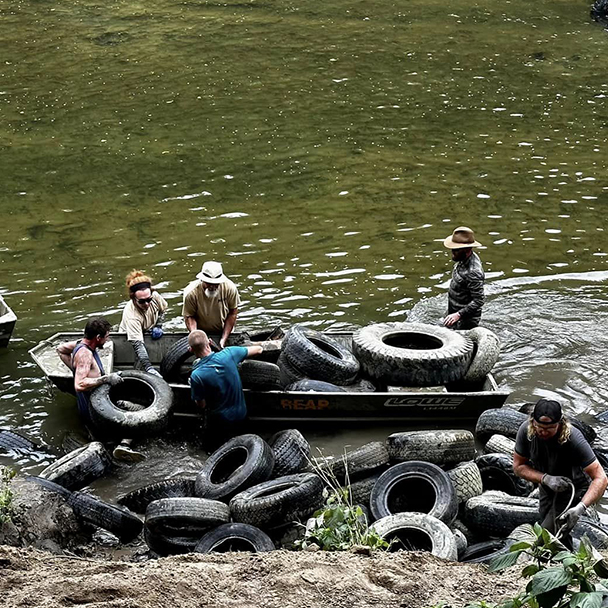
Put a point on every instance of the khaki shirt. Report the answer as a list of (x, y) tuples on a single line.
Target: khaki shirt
[(210, 313), (135, 321)]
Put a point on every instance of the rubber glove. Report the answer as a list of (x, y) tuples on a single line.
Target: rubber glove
[(570, 518), (153, 372), (157, 332), (556, 483), (113, 379)]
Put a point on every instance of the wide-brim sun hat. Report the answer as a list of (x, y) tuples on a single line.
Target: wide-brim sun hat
[(461, 238), (212, 272)]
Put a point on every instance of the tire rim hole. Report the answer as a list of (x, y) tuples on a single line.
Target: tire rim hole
[(229, 465), (134, 390), (409, 539), (326, 348), (274, 490), (229, 545), (414, 495), (412, 341), (495, 479)]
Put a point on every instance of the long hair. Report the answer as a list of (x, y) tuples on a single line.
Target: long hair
[(135, 277), (564, 431)]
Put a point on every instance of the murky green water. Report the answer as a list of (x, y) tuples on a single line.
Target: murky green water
[(321, 151)]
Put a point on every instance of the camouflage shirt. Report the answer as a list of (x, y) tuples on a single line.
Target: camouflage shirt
[(466, 291)]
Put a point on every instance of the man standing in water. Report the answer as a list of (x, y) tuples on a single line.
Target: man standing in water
[(211, 303), (552, 453), (465, 297)]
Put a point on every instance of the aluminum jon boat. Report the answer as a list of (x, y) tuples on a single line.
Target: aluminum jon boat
[(7, 323), (412, 405)]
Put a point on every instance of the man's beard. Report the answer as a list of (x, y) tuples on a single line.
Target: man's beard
[(211, 293)]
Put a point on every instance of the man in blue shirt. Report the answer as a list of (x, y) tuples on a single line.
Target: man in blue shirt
[(215, 381)]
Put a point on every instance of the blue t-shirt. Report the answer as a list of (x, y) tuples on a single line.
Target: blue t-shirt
[(216, 379)]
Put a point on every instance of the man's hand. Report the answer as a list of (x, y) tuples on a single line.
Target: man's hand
[(451, 319), (570, 518), (157, 332), (153, 372), (222, 342), (113, 379), (556, 483)]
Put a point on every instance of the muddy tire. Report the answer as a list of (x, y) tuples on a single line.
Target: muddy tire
[(280, 501), (260, 375), (51, 486), (361, 461), (291, 452), (363, 385), (485, 552), (497, 514), (438, 447), (412, 354), (288, 374), (14, 442), (118, 520), (486, 351), (80, 467), (417, 531), (466, 480), (240, 463), (414, 486), (235, 537), (499, 421), (497, 474), (594, 531), (459, 526), (461, 542), (320, 357), (314, 386), (177, 356), (499, 444), (361, 490), (163, 544), (138, 500), (185, 517), (153, 392)]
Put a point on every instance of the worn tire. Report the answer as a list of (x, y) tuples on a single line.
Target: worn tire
[(412, 528), (260, 375), (14, 442), (163, 544), (499, 444), (414, 486), (363, 385), (138, 500), (466, 480), (485, 552), (497, 474), (314, 386), (320, 357), (461, 542), (497, 514), (122, 423), (118, 520), (595, 532), (235, 537), (80, 467), (486, 351), (49, 485), (288, 374), (459, 526), (185, 516), (240, 463), (361, 461), (499, 421), (361, 490), (438, 447), (171, 364), (279, 501), (291, 452)]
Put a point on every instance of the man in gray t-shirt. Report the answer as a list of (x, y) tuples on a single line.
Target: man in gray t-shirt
[(552, 453)]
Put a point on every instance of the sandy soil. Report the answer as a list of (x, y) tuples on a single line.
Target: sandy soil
[(29, 577)]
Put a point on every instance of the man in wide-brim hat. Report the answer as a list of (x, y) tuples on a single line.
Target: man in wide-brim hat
[(465, 297)]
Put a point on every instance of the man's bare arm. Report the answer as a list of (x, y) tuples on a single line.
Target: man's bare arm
[(252, 351), (599, 482), (190, 323), (65, 352), (229, 324), (522, 469), (83, 361)]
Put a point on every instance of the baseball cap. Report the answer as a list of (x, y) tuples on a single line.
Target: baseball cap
[(549, 409)]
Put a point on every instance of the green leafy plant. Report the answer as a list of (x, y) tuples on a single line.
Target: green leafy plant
[(6, 495), (339, 525)]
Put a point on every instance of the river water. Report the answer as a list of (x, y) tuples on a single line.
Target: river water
[(321, 151)]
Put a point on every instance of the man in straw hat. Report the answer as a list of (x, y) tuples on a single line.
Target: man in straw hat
[(551, 452), (465, 297), (211, 303)]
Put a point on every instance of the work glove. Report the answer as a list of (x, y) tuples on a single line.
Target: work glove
[(157, 332), (556, 483), (153, 372), (113, 379), (570, 518)]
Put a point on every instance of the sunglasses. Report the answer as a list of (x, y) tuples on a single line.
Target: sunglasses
[(144, 300)]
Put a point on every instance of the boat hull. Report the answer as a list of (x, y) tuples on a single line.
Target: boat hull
[(7, 323)]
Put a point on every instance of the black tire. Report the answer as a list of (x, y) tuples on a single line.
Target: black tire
[(260, 375), (291, 452), (499, 444), (240, 463), (314, 386), (361, 490), (138, 500), (461, 542), (320, 357), (596, 532), (14, 442), (235, 537), (129, 406), (362, 385), (288, 374), (412, 354), (470, 535), (185, 516), (497, 474), (137, 387), (414, 486), (80, 467), (118, 520), (164, 545), (466, 480), (361, 461), (496, 514), (171, 364), (279, 501), (417, 532), (485, 552), (439, 447), (499, 421), (49, 485), (485, 354)]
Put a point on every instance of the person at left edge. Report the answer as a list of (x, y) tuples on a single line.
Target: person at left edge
[(145, 311)]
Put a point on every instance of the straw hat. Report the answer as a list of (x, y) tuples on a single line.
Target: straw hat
[(461, 237), (212, 273)]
